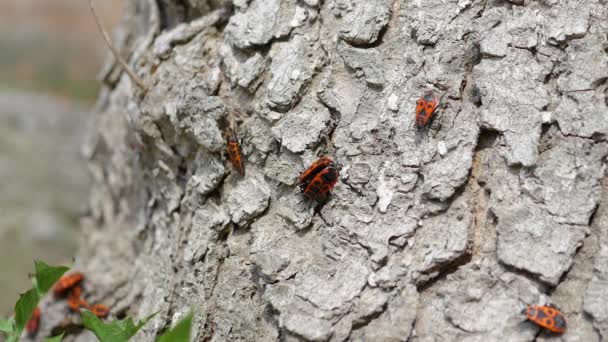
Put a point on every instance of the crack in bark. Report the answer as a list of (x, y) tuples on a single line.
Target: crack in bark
[(209, 326), (366, 320), (443, 271), (480, 197)]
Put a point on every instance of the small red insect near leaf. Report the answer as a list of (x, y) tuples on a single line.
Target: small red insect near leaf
[(67, 282), (319, 179), (34, 323), (75, 302), (234, 151), (100, 310), (546, 316), (425, 109)]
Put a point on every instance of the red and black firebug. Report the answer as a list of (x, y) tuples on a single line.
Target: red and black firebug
[(234, 151), (425, 109), (319, 178), (546, 316)]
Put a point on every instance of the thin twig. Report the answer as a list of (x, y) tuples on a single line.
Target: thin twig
[(578, 90), (120, 60)]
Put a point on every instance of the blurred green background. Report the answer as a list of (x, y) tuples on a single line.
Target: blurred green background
[(50, 55)]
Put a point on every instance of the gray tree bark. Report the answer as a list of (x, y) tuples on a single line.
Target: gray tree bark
[(504, 204)]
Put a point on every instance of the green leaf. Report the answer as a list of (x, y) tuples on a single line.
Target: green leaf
[(118, 331), (23, 309), (6, 325), (179, 333), (104, 332), (47, 275), (57, 338)]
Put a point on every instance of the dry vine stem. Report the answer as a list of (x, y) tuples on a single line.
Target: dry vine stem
[(120, 60)]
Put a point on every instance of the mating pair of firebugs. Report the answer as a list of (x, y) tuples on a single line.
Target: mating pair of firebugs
[(319, 179)]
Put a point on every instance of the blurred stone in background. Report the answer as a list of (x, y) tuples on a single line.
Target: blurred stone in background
[(50, 55)]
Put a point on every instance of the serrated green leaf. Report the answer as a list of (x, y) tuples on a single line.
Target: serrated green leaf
[(24, 308), (104, 332), (115, 331), (6, 325), (179, 333), (47, 275), (57, 338)]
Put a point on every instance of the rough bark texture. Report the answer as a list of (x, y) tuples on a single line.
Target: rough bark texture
[(503, 204)]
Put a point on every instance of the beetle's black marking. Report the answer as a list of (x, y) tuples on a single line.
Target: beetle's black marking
[(330, 176), (541, 314), (560, 322)]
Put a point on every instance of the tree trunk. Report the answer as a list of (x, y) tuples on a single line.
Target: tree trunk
[(502, 202)]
